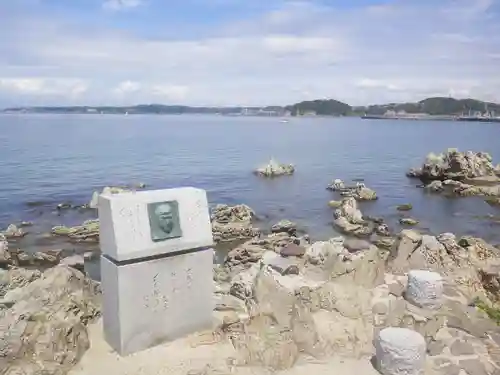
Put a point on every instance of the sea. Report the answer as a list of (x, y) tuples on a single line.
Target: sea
[(52, 159)]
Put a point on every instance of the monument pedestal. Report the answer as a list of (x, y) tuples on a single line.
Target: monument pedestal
[(154, 301), (157, 286)]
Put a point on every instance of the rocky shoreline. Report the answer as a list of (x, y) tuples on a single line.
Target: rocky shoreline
[(280, 297)]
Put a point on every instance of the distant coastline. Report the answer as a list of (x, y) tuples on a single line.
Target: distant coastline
[(437, 108)]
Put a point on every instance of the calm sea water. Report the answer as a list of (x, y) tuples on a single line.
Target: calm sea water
[(57, 158)]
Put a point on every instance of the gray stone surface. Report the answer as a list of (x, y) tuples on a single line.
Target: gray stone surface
[(147, 303), (124, 226), (400, 351), (459, 348), (472, 367), (425, 289)]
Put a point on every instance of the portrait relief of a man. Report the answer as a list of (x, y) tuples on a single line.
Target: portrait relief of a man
[(164, 220)]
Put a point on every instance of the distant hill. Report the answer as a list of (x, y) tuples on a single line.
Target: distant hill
[(325, 107), (136, 109), (433, 106)]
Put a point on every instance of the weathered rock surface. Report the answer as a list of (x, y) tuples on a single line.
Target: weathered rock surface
[(284, 226), (20, 258), (360, 192), (13, 232), (455, 165), (44, 318), (408, 221), (404, 207), (230, 223), (252, 250), (349, 219), (275, 169), (87, 232)]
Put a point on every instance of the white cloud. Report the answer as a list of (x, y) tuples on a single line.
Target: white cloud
[(121, 4), (44, 86), (298, 51)]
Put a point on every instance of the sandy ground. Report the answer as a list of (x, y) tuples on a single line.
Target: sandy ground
[(183, 356)]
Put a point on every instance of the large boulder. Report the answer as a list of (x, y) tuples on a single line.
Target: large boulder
[(230, 223), (275, 169), (349, 219), (44, 319), (454, 165)]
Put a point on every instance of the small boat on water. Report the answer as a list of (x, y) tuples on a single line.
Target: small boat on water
[(284, 120)]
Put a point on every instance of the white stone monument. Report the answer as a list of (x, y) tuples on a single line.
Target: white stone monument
[(156, 266), (425, 289), (400, 351)]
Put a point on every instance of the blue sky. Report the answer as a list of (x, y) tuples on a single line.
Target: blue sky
[(235, 52)]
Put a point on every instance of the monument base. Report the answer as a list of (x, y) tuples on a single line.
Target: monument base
[(155, 301)]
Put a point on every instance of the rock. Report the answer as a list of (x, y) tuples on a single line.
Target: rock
[(266, 344), (435, 186), (242, 285), (284, 226), (396, 289), (400, 351), (404, 207), (349, 300), (279, 296), (225, 302), (359, 192), (493, 201), (64, 206), (20, 258), (383, 230), (334, 204), (75, 261), (87, 232), (275, 169), (472, 366), (366, 268), (384, 243), (5, 256), (459, 348), (45, 327), (355, 245), (336, 185), (408, 221), (293, 250), (230, 223), (455, 165), (284, 266), (349, 219), (13, 231), (318, 252), (365, 194)]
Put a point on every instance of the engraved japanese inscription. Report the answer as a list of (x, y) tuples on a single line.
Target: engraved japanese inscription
[(156, 301), (164, 220)]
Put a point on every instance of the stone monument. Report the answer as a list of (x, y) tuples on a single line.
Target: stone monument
[(156, 266)]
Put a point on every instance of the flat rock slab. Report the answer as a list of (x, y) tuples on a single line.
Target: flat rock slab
[(293, 250)]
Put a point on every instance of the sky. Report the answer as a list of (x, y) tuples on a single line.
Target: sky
[(246, 52)]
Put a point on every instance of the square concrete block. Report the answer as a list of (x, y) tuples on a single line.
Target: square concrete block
[(151, 302), (126, 223)]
